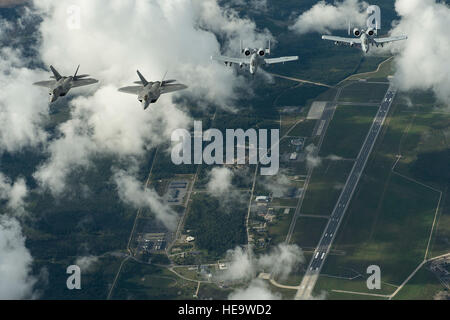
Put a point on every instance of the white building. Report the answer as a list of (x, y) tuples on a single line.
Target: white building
[(262, 199)]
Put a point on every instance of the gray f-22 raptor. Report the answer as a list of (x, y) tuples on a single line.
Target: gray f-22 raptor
[(364, 39), (61, 85), (253, 58), (149, 92)]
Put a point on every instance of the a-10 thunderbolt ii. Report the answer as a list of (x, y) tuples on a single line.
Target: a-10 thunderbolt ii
[(364, 39), (253, 59), (61, 85), (149, 92)]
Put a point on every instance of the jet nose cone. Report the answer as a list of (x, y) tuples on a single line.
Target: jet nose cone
[(146, 104)]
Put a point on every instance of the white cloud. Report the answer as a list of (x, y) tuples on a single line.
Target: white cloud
[(278, 185), (133, 192), (256, 290), (14, 193), (281, 260), (220, 181), (323, 17), (15, 259), (23, 108), (422, 61), (86, 263), (312, 159), (244, 265), (334, 157), (107, 121), (15, 262)]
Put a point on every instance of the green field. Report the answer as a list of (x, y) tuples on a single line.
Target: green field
[(277, 232), (347, 131), (307, 232), (143, 282), (389, 219), (423, 286), (363, 92), (385, 69), (303, 129), (325, 187)]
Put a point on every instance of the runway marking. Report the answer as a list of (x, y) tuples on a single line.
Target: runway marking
[(346, 195)]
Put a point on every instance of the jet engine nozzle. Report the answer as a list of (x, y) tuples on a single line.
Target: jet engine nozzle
[(247, 52), (261, 52), (356, 32)]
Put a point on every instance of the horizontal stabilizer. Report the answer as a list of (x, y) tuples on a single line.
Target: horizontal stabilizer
[(82, 76), (172, 88), (168, 81)]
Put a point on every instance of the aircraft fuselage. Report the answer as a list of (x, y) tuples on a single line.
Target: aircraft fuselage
[(61, 88), (254, 63), (150, 94), (365, 42)]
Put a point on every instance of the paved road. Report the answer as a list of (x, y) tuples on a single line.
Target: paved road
[(322, 250), (301, 80)]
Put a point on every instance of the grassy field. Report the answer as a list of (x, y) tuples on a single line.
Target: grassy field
[(279, 230), (385, 69), (423, 286), (347, 131), (389, 219), (325, 187), (363, 92), (211, 291), (141, 282), (307, 232), (303, 129)]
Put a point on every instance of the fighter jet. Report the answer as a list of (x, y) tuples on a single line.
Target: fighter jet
[(60, 86), (253, 58), (149, 92), (364, 39)]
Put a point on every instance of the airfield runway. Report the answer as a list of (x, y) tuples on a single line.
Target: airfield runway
[(320, 254), (319, 131)]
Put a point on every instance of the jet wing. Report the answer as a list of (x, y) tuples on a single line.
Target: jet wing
[(83, 82), (280, 60), (46, 84), (390, 39), (172, 88), (132, 89), (342, 39), (231, 60)]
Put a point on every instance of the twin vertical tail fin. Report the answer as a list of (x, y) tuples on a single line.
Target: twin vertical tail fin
[(162, 81), (56, 74), (75, 75), (144, 82)]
